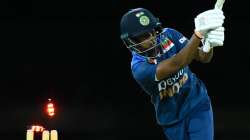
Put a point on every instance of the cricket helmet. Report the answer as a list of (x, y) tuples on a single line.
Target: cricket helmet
[(137, 22)]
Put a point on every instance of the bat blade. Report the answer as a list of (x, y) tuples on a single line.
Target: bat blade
[(219, 4)]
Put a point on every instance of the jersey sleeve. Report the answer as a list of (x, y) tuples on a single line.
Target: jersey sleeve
[(145, 74), (179, 39)]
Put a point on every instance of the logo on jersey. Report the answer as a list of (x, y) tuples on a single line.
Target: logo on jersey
[(171, 86), (182, 40), (167, 44)]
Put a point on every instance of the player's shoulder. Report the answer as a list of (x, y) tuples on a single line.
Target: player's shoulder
[(136, 59), (170, 31), (174, 35), (139, 61)]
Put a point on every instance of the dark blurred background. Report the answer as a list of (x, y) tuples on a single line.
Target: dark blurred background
[(70, 51)]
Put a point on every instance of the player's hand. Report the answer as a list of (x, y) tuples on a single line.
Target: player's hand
[(215, 37), (208, 20)]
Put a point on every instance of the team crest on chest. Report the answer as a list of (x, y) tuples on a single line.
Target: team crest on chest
[(167, 44)]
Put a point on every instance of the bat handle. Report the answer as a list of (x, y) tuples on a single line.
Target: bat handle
[(206, 47)]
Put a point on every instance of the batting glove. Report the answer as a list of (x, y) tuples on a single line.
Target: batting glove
[(215, 37), (208, 20)]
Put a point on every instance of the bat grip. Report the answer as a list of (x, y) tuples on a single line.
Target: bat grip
[(206, 47)]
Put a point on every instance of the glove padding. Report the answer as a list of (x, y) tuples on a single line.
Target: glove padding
[(215, 37), (209, 20)]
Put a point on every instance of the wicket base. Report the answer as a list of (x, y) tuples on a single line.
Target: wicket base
[(46, 135)]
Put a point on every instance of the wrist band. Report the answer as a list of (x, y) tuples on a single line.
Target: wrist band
[(198, 35)]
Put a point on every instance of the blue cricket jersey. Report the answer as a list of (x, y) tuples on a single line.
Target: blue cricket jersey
[(175, 96)]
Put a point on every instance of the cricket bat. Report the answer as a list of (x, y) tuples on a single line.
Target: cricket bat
[(218, 5)]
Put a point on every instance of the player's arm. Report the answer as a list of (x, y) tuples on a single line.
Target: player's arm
[(215, 39), (204, 57), (208, 20), (180, 60)]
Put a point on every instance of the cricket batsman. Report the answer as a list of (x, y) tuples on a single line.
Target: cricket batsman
[(160, 66)]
